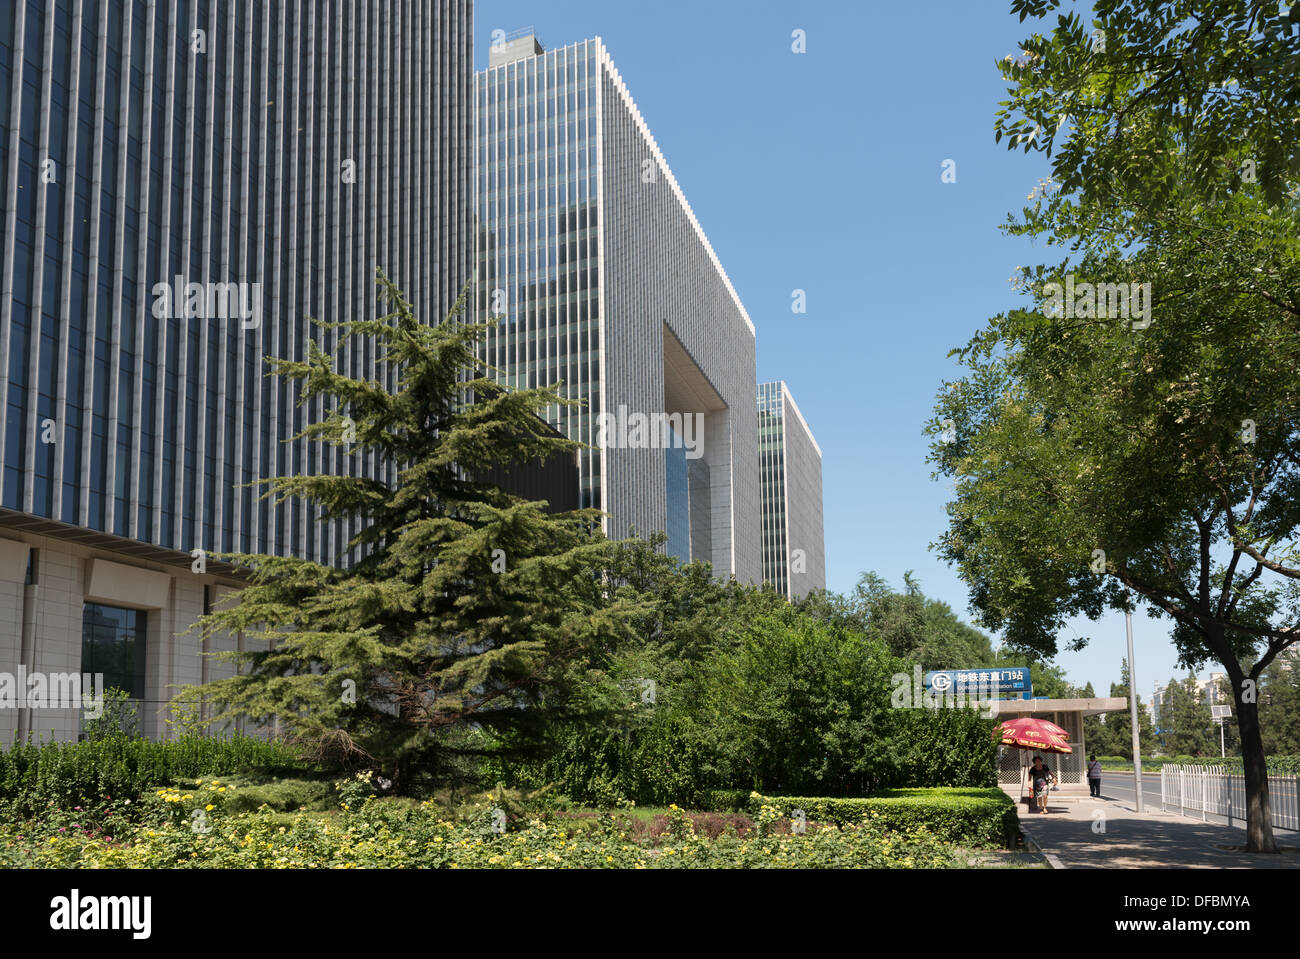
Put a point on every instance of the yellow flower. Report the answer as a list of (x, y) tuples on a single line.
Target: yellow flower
[(209, 807)]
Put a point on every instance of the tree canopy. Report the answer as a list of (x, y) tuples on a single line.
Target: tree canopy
[(456, 606), (1105, 455)]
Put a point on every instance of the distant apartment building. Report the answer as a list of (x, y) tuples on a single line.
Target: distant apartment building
[(1207, 690), (794, 552), (183, 185), (598, 276)]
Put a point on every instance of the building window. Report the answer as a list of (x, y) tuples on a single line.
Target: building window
[(113, 642)]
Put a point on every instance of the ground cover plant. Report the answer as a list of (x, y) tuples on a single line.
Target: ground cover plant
[(194, 827)]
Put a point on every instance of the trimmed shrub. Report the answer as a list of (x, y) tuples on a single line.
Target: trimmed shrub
[(388, 834), (283, 795), (723, 800), (965, 816), (69, 774), (1277, 765)]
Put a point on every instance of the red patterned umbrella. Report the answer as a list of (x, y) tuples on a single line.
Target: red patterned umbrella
[(1030, 733)]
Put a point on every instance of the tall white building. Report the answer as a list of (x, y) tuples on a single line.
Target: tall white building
[(598, 275), (794, 548)]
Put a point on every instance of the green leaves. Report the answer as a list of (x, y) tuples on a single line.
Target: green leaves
[(464, 606), (1207, 80)]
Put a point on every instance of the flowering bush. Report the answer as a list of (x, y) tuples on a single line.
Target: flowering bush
[(388, 834), (192, 807)]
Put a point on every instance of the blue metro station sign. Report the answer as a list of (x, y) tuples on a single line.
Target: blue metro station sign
[(1012, 679)]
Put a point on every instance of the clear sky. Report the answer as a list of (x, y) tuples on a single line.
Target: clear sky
[(822, 172)]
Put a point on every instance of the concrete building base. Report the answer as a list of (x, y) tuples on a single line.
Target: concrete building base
[(49, 572)]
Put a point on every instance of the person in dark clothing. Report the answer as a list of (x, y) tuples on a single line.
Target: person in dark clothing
[(1094, 777), (1040, 778)]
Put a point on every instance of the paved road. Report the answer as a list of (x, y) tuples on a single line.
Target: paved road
[(1119, 786)]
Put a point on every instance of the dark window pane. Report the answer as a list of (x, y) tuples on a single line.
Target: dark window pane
[(113, 642)]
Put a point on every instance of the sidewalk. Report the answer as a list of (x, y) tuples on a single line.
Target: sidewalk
[(1156, 839)]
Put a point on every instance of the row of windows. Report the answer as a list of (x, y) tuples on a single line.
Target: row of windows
[(160, 390), (551, 279)]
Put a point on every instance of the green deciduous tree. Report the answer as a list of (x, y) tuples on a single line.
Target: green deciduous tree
[(1095, 463), (1101, 462), (1106, 98), (777, 700), (922, 630)]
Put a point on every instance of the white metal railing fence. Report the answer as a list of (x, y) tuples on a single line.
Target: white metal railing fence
[(1214, 791)]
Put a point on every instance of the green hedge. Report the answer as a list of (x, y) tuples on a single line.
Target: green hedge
[(71, 774), (965, 816), (723, 800)]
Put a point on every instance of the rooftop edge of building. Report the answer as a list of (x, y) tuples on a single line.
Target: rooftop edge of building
[(789, 400), (643, 127), (517, 45)]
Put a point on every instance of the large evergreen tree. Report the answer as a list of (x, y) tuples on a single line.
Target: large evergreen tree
[(463, 608), (1280, 707), (1186, 728)]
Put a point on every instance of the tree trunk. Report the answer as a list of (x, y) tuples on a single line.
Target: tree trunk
[(1259, 828), (401, 774)]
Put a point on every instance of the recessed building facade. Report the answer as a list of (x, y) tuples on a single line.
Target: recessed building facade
[(598, 276)]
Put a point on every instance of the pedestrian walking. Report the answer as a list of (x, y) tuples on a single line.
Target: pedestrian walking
[(1040, 780), (1094, 777)]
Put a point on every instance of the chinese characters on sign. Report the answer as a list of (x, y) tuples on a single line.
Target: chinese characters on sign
[(1013, 679)]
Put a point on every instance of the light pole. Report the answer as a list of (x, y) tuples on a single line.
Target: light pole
[(1133, 712), (1221, 715)]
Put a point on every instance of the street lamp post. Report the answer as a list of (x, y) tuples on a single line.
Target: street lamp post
[(1133, 712), (1221, 715)]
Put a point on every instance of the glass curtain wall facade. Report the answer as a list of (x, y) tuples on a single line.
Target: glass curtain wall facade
[(538, 234), (794, 551), (598, 276), (274, 154)]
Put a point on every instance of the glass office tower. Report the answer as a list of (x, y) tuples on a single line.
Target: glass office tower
[(794, 549), (184, 185), (598, 276), (279, 152)]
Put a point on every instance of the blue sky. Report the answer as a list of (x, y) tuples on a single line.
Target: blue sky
[(822, 172)]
